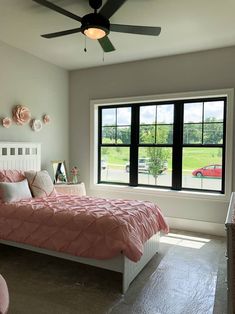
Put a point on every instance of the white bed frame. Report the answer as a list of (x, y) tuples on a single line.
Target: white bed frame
[(27, 156)]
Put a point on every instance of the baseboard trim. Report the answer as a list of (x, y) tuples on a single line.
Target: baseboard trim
[(197, 226)]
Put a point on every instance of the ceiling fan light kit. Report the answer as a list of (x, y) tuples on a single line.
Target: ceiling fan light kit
[(94, 33), (97, 25)]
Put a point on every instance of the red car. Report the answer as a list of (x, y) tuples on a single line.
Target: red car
[(209, 171)]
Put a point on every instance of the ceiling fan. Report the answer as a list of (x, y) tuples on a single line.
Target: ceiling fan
[(97, 25)]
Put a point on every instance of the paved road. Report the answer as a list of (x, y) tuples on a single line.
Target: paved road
[(118, 175)]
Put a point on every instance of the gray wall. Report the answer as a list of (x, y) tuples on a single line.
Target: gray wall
[(207, 70), (43, 88)]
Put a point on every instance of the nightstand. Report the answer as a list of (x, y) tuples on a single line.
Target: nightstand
[(77, 189)]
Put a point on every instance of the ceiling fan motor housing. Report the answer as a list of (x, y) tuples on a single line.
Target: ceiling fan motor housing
[(95, 4), (95, 20)]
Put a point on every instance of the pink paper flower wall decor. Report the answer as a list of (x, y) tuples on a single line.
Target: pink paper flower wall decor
[(46, 119), (21, 114), (6, 122)]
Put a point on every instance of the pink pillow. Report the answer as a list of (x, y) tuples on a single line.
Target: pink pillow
[(40, 183), (11, 176)]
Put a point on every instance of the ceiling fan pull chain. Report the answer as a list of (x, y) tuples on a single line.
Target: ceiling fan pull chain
[(85, 50), (103, 55)]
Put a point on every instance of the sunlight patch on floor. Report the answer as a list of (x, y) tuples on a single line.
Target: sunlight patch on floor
[(184, 240)]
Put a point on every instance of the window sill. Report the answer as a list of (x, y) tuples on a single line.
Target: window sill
[(161, 192)]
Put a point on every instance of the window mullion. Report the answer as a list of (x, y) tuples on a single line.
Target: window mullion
[(99, 142), (134, 145), (224, 145), (177, 146)]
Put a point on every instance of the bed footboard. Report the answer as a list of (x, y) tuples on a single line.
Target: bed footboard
[(131, 269)]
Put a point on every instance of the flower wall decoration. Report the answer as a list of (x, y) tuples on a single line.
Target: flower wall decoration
[(36, 125), (6, 122), (21, 114), (46, 119)]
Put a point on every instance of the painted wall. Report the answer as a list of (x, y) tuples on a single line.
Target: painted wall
[(207, 70), (43, 88)]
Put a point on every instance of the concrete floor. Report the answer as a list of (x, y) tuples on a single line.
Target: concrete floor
[(187, 276)]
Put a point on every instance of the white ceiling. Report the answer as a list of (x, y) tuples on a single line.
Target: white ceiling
[(187, 25)]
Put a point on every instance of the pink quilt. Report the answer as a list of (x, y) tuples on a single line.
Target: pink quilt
[(82, 226)]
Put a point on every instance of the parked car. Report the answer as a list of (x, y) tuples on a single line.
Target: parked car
[(143, 165), (103, 164), (209, 171)]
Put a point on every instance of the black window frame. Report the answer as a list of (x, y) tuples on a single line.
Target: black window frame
[(177, 145)]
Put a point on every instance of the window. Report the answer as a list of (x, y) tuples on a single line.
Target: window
[(179, 145), (115, 140)]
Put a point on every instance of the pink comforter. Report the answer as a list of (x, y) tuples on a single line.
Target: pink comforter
[(82, 226)]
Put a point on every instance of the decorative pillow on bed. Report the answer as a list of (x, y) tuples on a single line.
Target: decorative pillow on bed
[(40, 183), (11, 176), (14, 191)]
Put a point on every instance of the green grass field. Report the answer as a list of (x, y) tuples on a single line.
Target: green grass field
[(192, 157), (200, 157)]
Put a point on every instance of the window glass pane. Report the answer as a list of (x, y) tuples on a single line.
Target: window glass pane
[(124, 116), (108, 135), (114, 161), (147, 134), (123, 135), (193, 133), (213, 133), (193, 112), (202, 168), (165, 114), (164, 134), (155, 166), (214, 111), (109, 116), (147, 114)]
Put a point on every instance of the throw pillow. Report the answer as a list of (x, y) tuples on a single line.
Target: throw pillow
[(40, 183), (14, 191), (11, 176)]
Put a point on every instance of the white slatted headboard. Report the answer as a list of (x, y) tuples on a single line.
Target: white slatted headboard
[(20, 156)]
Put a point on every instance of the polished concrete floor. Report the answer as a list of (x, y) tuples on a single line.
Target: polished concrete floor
[(186, 277)]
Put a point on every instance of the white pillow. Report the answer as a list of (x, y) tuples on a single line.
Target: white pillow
[(14, 191)]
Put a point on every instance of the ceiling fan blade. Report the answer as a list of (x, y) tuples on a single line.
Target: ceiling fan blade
[(62, 33), (60, 10), (132, 29), (110, 7), (106, 44)]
